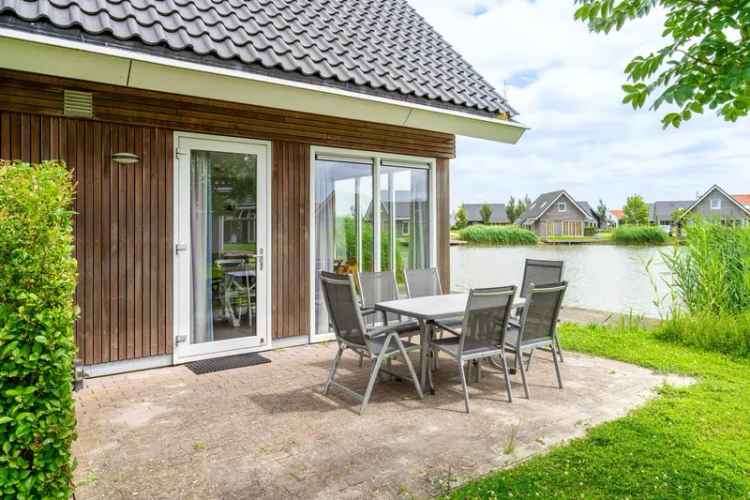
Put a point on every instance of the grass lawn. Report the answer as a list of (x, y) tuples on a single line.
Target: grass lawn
[(692, 442)]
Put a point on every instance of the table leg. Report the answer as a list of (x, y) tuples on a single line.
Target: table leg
[(429, 330), (423, 352)]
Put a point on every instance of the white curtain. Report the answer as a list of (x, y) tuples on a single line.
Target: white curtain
[(325, 222), (419, 219), (201, 228)]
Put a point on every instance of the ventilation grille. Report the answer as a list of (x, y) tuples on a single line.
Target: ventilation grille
[(78, 104)]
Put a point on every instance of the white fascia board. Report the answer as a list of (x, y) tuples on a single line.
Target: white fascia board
[(71, 59)]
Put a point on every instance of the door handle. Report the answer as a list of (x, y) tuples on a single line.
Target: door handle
[(180, 247)]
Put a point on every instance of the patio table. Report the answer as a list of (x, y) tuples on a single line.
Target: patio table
[(427, 310)]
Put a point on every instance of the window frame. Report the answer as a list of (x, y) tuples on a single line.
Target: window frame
[(562, 206), (429, 164), (717, 206)]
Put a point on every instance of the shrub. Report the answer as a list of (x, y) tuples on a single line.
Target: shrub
[(711, 273), (37, 347), (498, 235), (721, 332), (639, 235)]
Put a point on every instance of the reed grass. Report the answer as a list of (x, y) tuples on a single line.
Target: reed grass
[(639, 235), (498, 235)]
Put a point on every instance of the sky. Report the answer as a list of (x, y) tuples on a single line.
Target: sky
[(565, 82)]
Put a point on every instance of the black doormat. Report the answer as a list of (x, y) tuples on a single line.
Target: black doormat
[(227, 363)]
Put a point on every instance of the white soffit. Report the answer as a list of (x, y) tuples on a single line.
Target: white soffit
[(70, 59)]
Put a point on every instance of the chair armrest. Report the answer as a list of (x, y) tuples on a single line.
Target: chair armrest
[(366, 311), (513, 323), (448, 328)]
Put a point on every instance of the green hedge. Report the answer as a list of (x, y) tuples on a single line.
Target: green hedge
[(37, 345), (498, 235), (639, 235)]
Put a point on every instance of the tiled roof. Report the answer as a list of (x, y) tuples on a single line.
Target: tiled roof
[(382, 47), (499, 213), (544, 201), (742, 199)]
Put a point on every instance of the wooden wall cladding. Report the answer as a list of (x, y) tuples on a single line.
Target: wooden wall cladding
[(122, 230), (27, 92), (290, 197), (443, 222)]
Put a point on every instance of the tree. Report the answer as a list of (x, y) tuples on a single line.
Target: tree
[(462, 219), (601, 213), (486, 213), (511, 210), (704, 65), (636, 210)]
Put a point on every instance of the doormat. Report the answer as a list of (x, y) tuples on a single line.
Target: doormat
[(218, 364)]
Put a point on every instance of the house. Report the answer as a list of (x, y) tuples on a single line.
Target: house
[(617, 215), (713, 204), (716, 204), (499, 213), (405, 204), (277, 118), (557, 214), (663, 213)]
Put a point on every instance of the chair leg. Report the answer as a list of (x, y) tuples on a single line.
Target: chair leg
[(463, 382), (361, 361), (528, 363), (559, 349), (413, 373), (521, 368), (374, 374), (557, 367), (507, 377), (334, 367)]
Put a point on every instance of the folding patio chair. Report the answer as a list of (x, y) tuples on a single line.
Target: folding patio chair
[(483, 334), (379, 344)]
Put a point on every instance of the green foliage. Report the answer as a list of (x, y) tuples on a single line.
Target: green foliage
[(350, 240), (691, 442), (705, 63), (498, 235), (515, 208), (635, 210), (37, 346), (711, 272), (722, 332), (485, 211), (462, 219), (601, 213), (639, 235)]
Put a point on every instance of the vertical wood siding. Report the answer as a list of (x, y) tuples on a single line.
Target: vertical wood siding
[(443, 222), (290, 301), (123, 230)]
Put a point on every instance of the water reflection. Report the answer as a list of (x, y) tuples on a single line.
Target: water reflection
[(604, 277)]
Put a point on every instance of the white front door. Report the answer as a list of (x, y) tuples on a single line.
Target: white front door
[(222, 235)]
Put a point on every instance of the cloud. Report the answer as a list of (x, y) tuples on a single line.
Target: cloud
[(566, 84)]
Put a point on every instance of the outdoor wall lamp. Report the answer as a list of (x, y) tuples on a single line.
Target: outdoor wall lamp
[(125, 158)]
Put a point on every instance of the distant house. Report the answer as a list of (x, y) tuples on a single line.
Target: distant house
[(617, 215), (714, 204), (717, 204), (474, 213), (661, 213), (558, 214), (405, 205)]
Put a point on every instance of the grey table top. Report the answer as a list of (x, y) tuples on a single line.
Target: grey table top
[(432, 307)]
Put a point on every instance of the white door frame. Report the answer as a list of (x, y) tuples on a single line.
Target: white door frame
[(430, 164), (184, 351)]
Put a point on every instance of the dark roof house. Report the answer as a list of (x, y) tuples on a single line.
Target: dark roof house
[(715, 203), (557, 214), (297, 104), (661, 212), (474, 213)]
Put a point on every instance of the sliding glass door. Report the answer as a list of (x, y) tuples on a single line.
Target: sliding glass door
[(370, 214)]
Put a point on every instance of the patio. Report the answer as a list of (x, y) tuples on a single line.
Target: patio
[(267, 432)]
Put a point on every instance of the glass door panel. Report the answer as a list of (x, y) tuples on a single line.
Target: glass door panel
[(221, 230), (344, 220)]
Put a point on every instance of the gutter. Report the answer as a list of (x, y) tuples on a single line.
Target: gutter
[(35, 53)]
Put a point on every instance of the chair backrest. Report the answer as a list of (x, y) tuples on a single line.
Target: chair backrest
[(487, 313), (540, 272), (423, 282), (379, 287), (539, 318), (343, 307)]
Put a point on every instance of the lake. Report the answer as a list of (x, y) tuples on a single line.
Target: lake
[(604, 277)]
